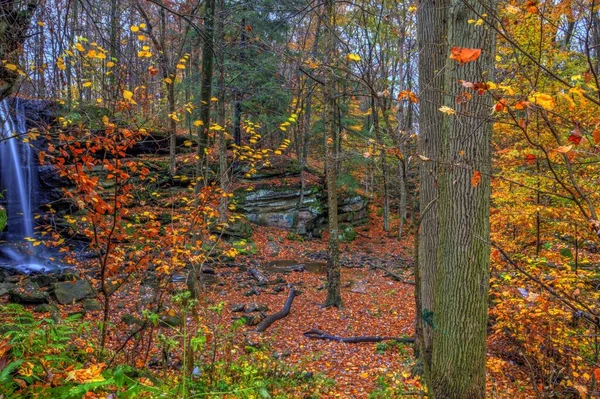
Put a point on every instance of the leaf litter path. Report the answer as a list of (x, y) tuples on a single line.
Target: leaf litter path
[(373, 305), (383, 307)]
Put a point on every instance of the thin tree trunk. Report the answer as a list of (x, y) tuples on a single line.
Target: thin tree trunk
[(334, 297), (223, 176), (206, 86)]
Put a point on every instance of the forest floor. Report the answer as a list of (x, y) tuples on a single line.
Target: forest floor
[(374, 305)]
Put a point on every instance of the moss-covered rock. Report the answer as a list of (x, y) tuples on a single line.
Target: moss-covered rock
[(347, 233), (72, 291)]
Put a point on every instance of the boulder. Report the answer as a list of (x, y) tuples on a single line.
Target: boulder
[(67, 292), (91, 304), (44, 280), (28, 293), (5, 288)]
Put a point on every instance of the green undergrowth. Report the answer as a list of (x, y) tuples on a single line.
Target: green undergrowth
[(44, 358)]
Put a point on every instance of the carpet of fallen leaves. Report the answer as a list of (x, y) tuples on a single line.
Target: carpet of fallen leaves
[(374, 305)]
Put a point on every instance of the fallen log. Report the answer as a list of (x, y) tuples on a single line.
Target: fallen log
[(266, 323), (257, 275), (395, 276), (318, 334)]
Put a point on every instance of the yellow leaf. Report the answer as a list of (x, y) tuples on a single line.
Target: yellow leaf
[(110, 64), (188, 143), (40, 23), (87, 84), (142, 26), (543, 100), (134, 28), (128, 96), (87, 375), (168, 80), (180, 66), (563, 149), (11, 67), (198, 123), (79, 47), (353, 57), (447, 110)]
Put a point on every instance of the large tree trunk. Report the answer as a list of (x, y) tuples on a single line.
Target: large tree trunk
[(461, 284), (334, 297), (433, 54)]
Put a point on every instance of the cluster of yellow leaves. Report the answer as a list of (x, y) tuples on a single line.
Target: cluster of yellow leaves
[(93, 373), (12, 67)]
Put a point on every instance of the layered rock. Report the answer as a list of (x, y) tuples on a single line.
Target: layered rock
[(300, 211)]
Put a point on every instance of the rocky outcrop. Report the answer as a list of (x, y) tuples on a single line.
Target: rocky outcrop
[(305, 213), (281, 207)]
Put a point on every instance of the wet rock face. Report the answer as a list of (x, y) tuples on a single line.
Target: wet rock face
[(38, 113), (282, 207)]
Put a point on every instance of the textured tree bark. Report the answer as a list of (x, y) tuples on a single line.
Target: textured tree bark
[(462, 274), (15, 16), (223, 172), (334, 297), (206, 85), (433, 55)]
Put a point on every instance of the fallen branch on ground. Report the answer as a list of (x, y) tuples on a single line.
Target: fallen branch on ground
[(318, 334), (395, 276), (257, 275), (266, 323)]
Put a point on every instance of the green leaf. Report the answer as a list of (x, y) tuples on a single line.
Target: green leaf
[(264, 393), (566, 252)]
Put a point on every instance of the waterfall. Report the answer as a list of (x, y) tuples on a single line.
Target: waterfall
[(18, 171)]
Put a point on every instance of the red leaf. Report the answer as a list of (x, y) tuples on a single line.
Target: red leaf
[(575, 139), (530, 158)]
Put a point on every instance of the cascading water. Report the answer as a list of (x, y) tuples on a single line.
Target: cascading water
[(18, 172)]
